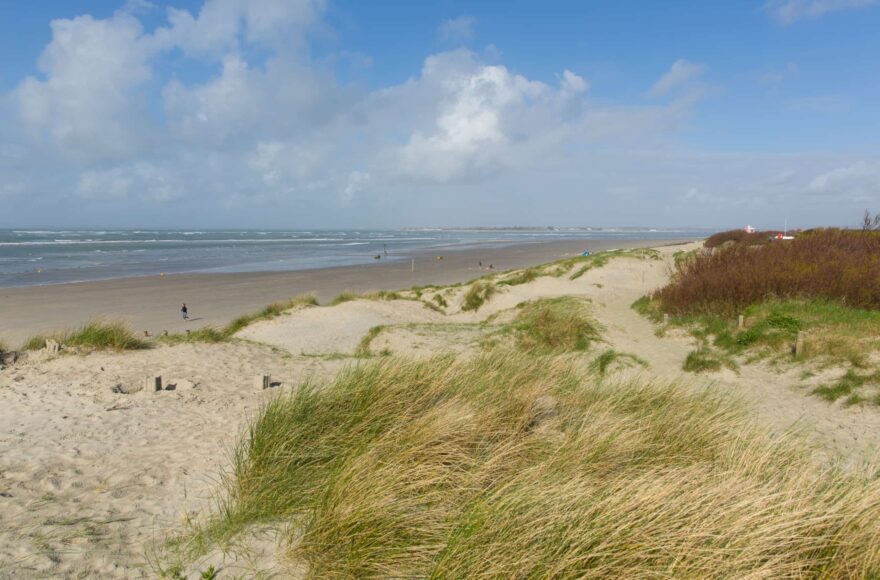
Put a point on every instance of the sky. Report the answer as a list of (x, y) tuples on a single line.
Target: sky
[(394, 113)]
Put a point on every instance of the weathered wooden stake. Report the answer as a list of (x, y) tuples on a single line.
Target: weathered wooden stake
[(414, 265), (665, 318), (741, 322), (153, 384), (799, 344), (262, 382)]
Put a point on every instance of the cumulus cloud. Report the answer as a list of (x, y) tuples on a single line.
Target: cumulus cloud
[(102, 129), (678, 74), (789, 11), (456, 30)]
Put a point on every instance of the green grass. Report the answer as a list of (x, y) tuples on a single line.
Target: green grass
[(610, 359), (440, 300), (832, 332), (522, 277), (850, 385), (363, 347), (269, 312), (477, 295), (701, 361), (554, 325), (344, 296), (512, 466), (94, 335), (208, 334)]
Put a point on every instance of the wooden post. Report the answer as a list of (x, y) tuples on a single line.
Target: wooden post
[(262, 382), (741, 322), (414, 265), (665, 318), (799, 344), (153, 384)]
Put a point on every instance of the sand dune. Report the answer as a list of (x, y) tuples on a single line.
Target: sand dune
[(92, 469)]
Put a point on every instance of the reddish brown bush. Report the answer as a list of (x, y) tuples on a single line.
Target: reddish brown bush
[(739, 237), (839, 265)]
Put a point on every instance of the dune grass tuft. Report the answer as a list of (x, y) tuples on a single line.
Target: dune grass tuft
[(512, 466), (612, 359), (554, 325), (96, 334), (363, 347), (522, 277), (477, 295)]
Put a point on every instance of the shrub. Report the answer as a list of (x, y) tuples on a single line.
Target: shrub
[(506, 466), (605, 361), (837, 265), (738, 237), (440, 300), (477, 295)]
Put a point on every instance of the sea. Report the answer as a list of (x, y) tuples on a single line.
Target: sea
[(38, 257)]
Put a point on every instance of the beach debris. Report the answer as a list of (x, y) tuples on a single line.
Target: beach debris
[(146, 334), (152, 384), (262, 381), (180, 385)]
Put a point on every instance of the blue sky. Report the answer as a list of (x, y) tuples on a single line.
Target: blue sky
[(312, 113)]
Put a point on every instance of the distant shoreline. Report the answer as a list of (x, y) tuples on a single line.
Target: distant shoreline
[(151, 303)]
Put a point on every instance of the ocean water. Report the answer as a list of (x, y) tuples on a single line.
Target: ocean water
[(36, 257)]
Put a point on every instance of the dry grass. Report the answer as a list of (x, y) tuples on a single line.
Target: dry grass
[(96, 334), (513, 466), (554, 325), (477, 295)]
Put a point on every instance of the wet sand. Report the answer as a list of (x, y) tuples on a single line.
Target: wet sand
[(152, 303)]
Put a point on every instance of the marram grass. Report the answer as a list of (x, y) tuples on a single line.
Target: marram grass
[(96, 334), (515, 466)]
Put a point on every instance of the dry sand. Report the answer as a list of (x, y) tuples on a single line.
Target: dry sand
[(89, 474)]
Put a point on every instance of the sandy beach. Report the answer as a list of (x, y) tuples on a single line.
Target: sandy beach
[(152, 303), (95, 473)]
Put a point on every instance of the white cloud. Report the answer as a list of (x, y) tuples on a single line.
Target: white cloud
[(679, 73), (457, 30), (101, 131), (789, 11), (859, 181), (89, 103)]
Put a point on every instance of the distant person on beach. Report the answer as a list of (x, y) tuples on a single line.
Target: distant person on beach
[(184, 311), (480, 264)]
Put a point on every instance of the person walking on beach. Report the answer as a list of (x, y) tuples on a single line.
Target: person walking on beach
[(184, 311)]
